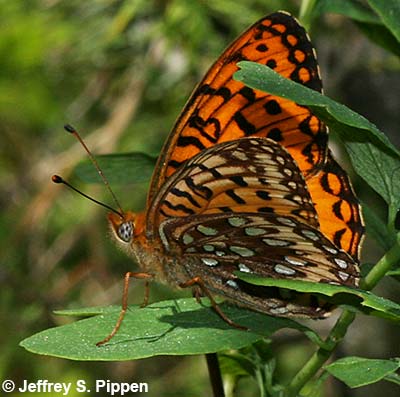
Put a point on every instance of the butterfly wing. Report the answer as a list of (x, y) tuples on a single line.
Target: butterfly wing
[(337, 206), (212, 216), (245, 175), (222, 109), (213, 247)]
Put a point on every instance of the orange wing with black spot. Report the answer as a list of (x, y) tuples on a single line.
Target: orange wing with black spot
[(222, 109), (337, 207)]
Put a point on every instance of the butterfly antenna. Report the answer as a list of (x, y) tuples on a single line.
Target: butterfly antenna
[(73, 131), (58, 179)]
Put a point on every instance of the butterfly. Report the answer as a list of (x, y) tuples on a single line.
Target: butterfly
[(246, 182)]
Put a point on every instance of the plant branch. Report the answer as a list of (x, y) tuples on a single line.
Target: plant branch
[(382, 267), (316, 361), (214, 372)]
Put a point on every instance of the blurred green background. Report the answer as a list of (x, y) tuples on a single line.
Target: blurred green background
[(120, 72)]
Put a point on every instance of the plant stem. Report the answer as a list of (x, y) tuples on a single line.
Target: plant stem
[(305, 13), (316, 361), (382, 267), (337, 333), (215, 375)]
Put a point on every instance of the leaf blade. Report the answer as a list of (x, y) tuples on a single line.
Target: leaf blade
[(176, 327), (362, 139), (358, 371)]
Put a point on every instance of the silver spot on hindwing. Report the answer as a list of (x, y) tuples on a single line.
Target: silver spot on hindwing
[(232, 284), (285, 221), (243, 268), (341, 263), (236, 221), (207, 231), (187, 239), (309, 234), (209, 261), (288, 172), (254, 231), (242, 251), (282, 269), (330, 249), (279, 310), (294, 262), (275, 242), (208, 248), (343, 276)]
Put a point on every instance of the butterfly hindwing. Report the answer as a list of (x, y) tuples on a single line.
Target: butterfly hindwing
[(337, 206), (213, 247), (245, 175), (214, 242)]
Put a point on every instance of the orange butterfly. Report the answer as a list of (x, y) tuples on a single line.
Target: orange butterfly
[(246, 182)]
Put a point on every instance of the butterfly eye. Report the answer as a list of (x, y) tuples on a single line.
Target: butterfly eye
[(125, 231)]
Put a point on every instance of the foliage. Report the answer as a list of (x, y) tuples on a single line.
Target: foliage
[(123, 70)]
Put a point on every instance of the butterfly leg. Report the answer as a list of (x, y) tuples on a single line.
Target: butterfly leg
[(124, 308), (197, 281), (146, 293), (197, 293)]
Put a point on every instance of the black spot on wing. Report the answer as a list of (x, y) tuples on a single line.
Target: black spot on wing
[(234, 196)]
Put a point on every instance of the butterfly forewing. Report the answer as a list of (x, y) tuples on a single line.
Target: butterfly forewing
[(222, 109), (246, 175)]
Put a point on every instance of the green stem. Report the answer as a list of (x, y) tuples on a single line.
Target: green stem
[(305, 13), (392, 213), (382, 267), (315, 362)]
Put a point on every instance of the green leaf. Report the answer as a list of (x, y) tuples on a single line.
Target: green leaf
[(236, 364), (389, 12), (377, 228), (87, 311), (118, 168), (366, 20), (395, 378), (352, 9), (175, 327), (379, 168), (394, 273), (381, 36), (374, 158), (351, 298), (358, 371)]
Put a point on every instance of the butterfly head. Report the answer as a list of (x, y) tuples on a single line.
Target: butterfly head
[(125, 227)]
